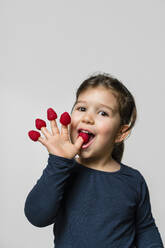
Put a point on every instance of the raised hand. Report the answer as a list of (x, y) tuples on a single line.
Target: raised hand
[(56, 143)]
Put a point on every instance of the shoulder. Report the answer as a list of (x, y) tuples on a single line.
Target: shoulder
[(133, 175), (133, 180), (132, 171)]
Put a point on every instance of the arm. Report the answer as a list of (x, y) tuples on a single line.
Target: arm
[(147, 233), (43, 201)]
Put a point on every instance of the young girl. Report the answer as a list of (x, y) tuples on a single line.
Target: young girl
[(94, 200)]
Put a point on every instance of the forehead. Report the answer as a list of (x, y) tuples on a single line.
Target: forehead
[(100, 95)]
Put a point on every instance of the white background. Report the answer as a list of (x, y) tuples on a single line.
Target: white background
[(47, 49)]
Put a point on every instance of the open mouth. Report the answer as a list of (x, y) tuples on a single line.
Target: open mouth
[(90, 139)]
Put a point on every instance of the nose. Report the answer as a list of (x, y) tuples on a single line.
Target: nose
[(88, 118)]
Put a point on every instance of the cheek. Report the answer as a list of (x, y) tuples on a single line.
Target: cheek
[(74, 121), (104, 127), (107, 130)]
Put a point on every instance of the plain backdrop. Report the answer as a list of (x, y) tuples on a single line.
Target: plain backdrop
[(47, 49)]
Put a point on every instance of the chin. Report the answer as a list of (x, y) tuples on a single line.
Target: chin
[(85, 155)]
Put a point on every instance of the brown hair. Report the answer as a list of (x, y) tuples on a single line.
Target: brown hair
[(126, 103)]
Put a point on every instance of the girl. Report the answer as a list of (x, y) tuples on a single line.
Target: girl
[(94, 200)]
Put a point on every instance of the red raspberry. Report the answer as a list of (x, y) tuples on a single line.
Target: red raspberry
[(51, 114), (65, 119), (85, 136), (40, 123), (34, 135)]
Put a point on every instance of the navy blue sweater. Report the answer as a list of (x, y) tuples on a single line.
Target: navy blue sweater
[(91, 208)]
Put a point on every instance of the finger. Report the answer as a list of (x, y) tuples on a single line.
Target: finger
[(41, 140), (64, 132), (79, 142), (54, 127), (45, 132)]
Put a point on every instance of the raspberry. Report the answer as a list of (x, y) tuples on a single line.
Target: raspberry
[(51, 114), (65, 119), (34, 135), (85, 136), (40, 123)]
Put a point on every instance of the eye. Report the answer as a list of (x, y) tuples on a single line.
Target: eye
[(104, 113), (80, 108)]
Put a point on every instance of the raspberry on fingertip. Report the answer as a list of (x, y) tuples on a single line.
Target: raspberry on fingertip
[(34, 135), (85, 137), (65, 119), (40, 123), (51, 114)]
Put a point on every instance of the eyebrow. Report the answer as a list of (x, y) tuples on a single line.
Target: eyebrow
[(98, 104)]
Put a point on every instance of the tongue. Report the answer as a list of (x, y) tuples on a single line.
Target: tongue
[(85, 136)]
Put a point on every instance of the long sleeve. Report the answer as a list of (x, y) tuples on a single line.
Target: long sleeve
[(43, 201), (147, 233)]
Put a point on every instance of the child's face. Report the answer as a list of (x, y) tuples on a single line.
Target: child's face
[(102, 121)]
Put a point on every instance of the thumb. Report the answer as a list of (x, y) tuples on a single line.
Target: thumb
[(79, 142)]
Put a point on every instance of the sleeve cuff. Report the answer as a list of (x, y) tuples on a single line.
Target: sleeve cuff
[(61, 160)]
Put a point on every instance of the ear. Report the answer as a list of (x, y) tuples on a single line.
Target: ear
[(122, 134)]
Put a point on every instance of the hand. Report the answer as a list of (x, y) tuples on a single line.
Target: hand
[(60, 144)]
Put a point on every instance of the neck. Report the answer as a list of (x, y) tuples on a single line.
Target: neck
[(98, 163)]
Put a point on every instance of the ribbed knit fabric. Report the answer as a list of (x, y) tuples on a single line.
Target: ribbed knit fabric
[(90, 208)]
